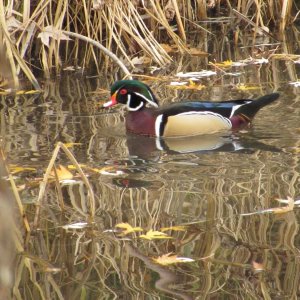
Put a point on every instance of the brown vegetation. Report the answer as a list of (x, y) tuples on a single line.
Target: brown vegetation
[(33, 37)]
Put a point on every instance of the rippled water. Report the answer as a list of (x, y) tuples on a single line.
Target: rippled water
[(217, 193)]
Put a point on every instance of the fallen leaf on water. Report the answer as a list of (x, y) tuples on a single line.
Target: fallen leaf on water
[(243, 87), (223, 64), (127, 228), (168, 259), (175, 228), (72, 167), (152, 235), (69, 145), (62, 173), (14, 169), (191, 85), (31, 92)]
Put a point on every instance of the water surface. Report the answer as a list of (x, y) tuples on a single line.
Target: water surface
[(217, 193)]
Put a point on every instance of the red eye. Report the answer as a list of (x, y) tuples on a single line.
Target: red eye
[(123, 92)]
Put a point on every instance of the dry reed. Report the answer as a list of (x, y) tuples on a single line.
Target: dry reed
[(32, 34)]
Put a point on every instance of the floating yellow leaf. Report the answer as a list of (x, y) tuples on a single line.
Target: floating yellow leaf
[(127, 228), (62, 173), (18, 169), (168, 259), (72, 167), (175, 228), (191, 85), (152, 235), (224, 64), (69, 145), (243, 87)]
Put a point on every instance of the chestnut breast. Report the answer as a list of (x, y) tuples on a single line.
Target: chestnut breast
[(141, 122)]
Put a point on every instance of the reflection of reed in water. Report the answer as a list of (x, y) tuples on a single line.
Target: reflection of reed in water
[(8, 238), (207, 192)]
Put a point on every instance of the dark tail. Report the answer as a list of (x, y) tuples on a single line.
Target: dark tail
[(250, 109)]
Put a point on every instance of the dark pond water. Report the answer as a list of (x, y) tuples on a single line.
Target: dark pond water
[(215, 196)]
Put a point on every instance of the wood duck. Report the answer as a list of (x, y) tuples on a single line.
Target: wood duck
[(145, 117)]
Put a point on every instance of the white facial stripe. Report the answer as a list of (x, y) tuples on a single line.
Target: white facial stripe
[(128, 100), (136, 108), (145, 98), (157, 125), (133, 108)]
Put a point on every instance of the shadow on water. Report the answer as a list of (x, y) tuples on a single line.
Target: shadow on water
[(204, 196)]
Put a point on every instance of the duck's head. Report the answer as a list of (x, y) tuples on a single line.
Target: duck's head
[(133, 93)]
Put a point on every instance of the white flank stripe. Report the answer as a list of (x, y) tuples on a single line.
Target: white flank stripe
[(158, 144), (157, 125)]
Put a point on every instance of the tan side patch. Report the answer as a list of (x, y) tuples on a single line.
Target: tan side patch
[(195, 123)]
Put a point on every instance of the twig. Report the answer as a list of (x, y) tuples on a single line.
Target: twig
[(102, 48)]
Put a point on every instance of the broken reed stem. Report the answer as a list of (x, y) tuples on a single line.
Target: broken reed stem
[(102, 48), (44, 182)]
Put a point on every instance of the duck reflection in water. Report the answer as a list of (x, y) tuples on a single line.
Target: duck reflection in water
[(145, 147)]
